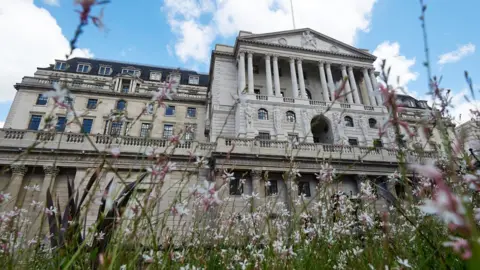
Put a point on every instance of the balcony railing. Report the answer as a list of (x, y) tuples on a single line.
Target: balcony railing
[(260, 97)]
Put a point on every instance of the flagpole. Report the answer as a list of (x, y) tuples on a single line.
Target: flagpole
[(293, 15)]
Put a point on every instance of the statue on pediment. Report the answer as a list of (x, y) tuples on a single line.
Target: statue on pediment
[(308, 40)]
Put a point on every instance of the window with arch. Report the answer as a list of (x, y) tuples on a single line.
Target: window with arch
[(121, 105), (372, 123), (348, 121), (309, 95), (290, 117), (263, 114)]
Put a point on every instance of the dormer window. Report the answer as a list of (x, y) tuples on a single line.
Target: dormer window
[(83, 68), (193, 79), (174, 78), (103, 70), (60, 65), (155, 76), (132, 72)]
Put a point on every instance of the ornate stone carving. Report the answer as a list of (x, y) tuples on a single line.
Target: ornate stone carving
[(18, 169), (282, 41), (51, 170), (306, 121), (256, 174), (334, 49), (277, 120), (339, 130), (249, 113), (308, 40), (363, 124)]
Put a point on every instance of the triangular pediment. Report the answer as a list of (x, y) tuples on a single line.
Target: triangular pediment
[(307, 39)]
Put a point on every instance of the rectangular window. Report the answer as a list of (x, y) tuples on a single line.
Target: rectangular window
[(256, 69), (125, 86), (174, 78), (264, 138), (256, 91), (293, 138), (155, 76), (83, 68), (236, 188), (69, 101), (60, 65), (144, 130), (42, 100), (116, 128), (34, 122), (353, 141), (104, 70), (377, 143), (132, 72), (272, 188), (167, 131), (304, 188), (61, 123), (191, 112), (92, 103), (87, 126), (192, 79), (150, 109), (279, 72), (137, 88), (169, 110), (190, 132)]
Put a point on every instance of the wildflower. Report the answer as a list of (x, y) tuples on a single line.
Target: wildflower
[(115, 152), (100, 236), (327, 173), (228, 176), (473, 181), (460, 246), (357, 251), (446, 205), (32, 242), (50, 211), (394, 177), (59, 95), (366, 219), (4, 197), (33, 188), (108, 196), (243, 265), (268, 183), (403, 263), (148, 257), (123, 267), (36, 204), (176, 140), (179, 209)]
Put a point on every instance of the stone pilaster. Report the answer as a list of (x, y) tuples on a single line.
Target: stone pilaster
[(293, 76), (347, 85), (276, 76), (268, 74), (18, 172), (258, 187), (250, 72), (51, 173)]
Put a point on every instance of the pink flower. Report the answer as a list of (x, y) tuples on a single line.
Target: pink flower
[(179, 209), (176, 140), (460, 246), (447, 206), (115, 152)]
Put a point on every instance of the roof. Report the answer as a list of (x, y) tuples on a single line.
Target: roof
[(118, 66), (402, 98)]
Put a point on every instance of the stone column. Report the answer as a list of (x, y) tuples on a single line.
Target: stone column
[(241, 72), (353, 85), (268, 72), (323, 81), (48, 181), (16, 181), (258, 187), (368, 83), (301, 79), (293, 74), (250, 73), (347, 85), (331, 86), (375, 88), (276, 76)]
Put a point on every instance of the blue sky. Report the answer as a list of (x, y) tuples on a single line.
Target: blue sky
[(180, 33)]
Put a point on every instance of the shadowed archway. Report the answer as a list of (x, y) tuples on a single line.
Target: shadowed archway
[(321, 129)]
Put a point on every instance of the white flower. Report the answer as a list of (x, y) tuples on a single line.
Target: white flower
[(364, 217), (115, 152), (228, 176), (4, 197), (59, 95), (100, 236), (179, 209), (123, 267), (446, 205), (357, 251), (403, 262), (50, 211)]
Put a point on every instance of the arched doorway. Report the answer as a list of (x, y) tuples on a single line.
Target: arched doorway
[(321, 130)]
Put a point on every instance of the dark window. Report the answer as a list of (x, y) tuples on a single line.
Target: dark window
[(304, 188), (377, 143), (150, 108), (167, 131), (170, 110), (116, 128), (92, 103), (131, 72), (125, 86), (61, 123), (145, 129), (121, 105), (279, 72), (87, 126), (352, 141), (190, 132), (236, 188), (60, 66), (105, 129), (34, 122), (309, 95), (292, 138), (291, 117), (348, 121), (191, 112), (272, 189), (105, 71), (256, 70), (137, 88), (263, 114), (264, 138), (282, 93), (42, 99), (83, 68), (69, 101), (372, 123), (256, 91)]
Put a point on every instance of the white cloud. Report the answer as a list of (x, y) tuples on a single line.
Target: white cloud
[(461, 107), (34, 40), (51, 2), (2, 124), (455, 56), (401, 66), (340, 19)]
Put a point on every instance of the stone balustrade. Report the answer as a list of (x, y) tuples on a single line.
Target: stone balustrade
[(24, 139)]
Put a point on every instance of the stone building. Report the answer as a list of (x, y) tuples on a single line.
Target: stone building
[(266, 97)]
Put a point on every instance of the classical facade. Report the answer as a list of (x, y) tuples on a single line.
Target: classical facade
[(267, 98)]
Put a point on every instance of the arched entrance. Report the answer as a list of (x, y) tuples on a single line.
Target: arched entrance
[(321, 130)]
